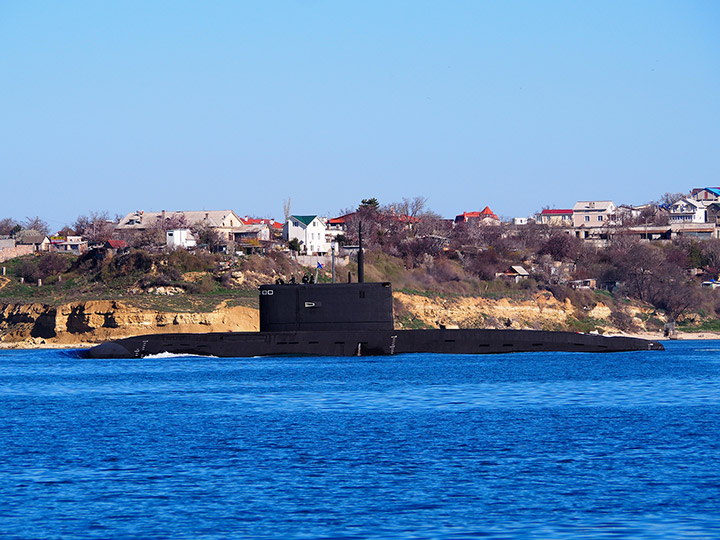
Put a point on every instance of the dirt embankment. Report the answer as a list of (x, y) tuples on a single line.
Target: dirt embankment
[(86, 323)]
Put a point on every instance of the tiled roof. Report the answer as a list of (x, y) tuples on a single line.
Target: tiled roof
[(486, 213), (340, 220), (556, 211), (142, 220), (261, 221), (117, 244)]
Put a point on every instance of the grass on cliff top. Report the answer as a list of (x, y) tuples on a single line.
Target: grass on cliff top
[(79, 283), (712, 325), (190, 303), (55, 293)]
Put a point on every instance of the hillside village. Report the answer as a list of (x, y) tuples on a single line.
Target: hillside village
[(661, 259), (695, 215)]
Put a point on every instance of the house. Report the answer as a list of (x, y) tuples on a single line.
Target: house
[(582, 284), (555, 216), (222, 222), (180, 238), (274, 227), (649, 232), (694, 230), (340, 223), (713, 213), (253, 238), (687, 211), (113, 247), (30, 237), (485, 217), (705, 195), (514, 273), (257, 231), (69, 244), (310, 231), (589, 214)]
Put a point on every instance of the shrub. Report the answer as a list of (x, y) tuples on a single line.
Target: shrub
[(29, 271), (52, 264), (205, 285), (186, 261), (623, 321)]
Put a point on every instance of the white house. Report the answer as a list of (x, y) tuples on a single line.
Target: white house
[(688, 211), (310, 231), (180, 238)]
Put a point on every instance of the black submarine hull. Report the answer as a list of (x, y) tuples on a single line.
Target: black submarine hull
[(366, 343)]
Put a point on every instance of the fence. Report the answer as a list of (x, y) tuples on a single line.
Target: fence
[(325, 260), (17, 251)]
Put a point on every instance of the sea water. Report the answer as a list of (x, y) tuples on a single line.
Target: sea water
[(540, 445)]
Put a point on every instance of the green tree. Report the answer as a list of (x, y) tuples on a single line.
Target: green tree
[(369, 204)]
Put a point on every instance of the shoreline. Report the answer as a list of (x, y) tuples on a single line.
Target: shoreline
[(39, 343)]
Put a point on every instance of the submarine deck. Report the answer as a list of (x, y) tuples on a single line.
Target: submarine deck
[(366, 343)]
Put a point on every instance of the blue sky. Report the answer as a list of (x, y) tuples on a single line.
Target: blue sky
[(121, 106)]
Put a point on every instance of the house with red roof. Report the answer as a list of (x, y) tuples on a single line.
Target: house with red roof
[(555, 216), (113, 247), (339, 223), (485, 217), (271, 223)]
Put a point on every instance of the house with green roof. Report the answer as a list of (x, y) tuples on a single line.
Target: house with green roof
[(309, 231)]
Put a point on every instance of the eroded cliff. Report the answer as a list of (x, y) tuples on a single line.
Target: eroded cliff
[(98, 321)]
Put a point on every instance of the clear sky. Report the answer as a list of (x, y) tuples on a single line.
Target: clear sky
[(178, 105)]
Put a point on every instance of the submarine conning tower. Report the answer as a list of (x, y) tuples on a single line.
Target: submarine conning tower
[(336, 306), (328, 306)]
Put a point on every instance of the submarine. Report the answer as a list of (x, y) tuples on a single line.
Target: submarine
[(352, 319)]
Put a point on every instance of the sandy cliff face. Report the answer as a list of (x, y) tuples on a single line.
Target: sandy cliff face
[(97, 321), (544, 311)]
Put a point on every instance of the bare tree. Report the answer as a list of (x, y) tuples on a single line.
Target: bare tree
[(286, 208), (36, 224), (207, 236), (711, 252), (561, 247), (96, 227), (411, 207), (668, 199), (8, 226)]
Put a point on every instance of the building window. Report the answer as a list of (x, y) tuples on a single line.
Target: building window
[(600, 218), (587, 218)]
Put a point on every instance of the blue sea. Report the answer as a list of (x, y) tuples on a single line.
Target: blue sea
[(540, 445)]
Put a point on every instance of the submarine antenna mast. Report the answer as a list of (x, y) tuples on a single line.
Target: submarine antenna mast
[(361, 257)]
